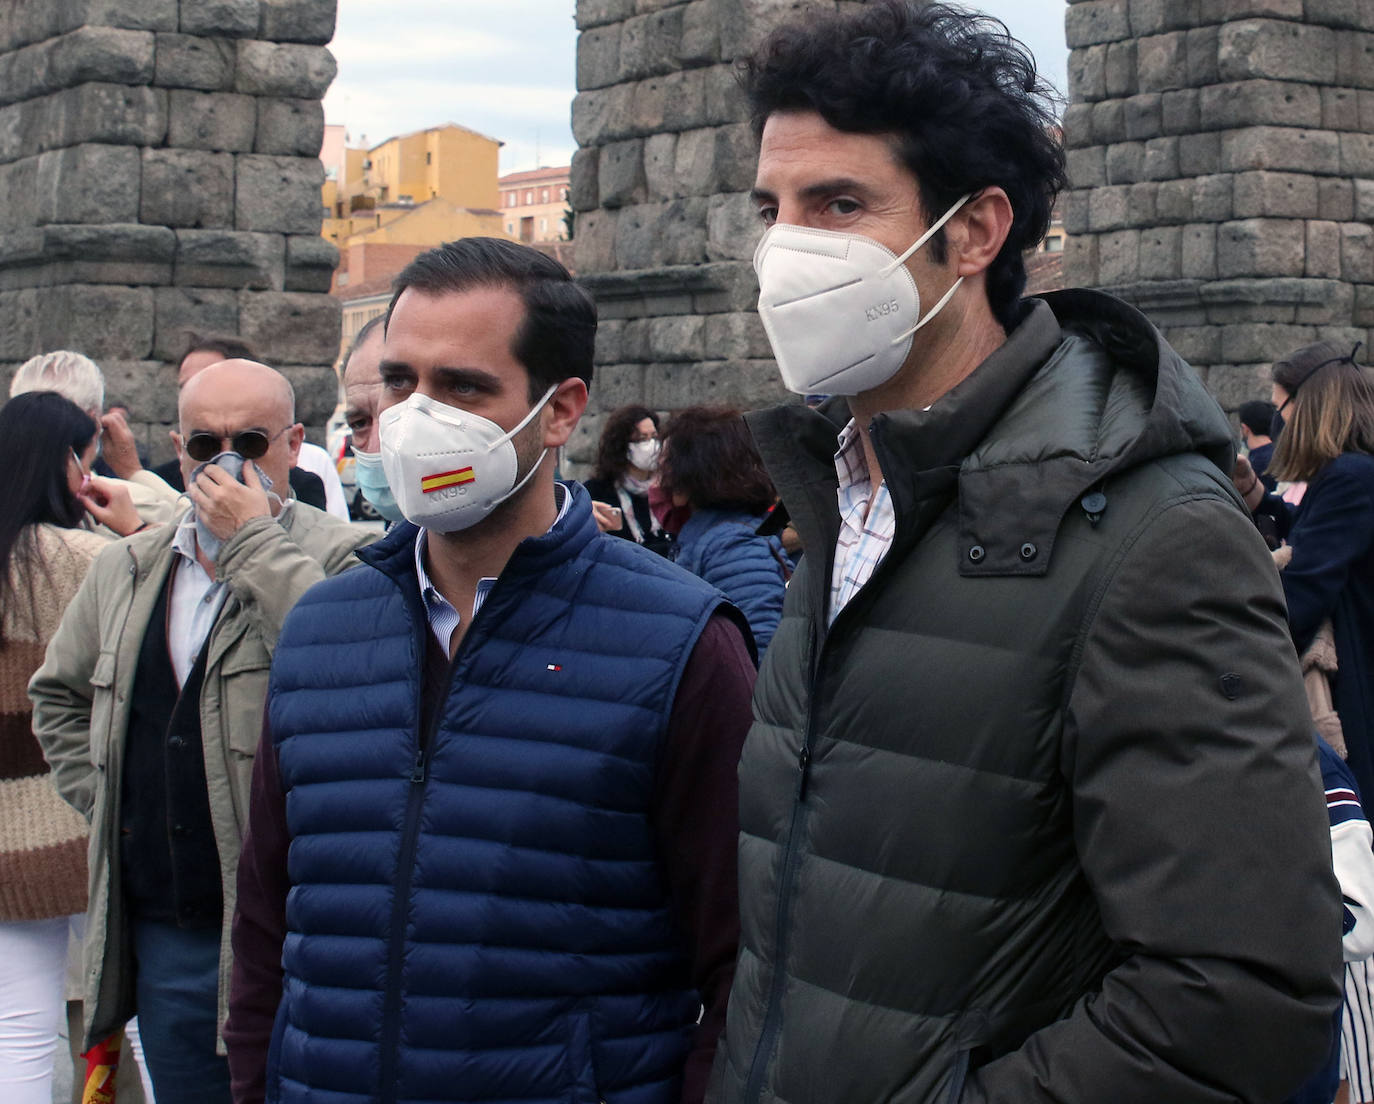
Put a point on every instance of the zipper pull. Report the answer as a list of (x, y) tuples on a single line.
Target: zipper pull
[(417, 774), (803, 767)]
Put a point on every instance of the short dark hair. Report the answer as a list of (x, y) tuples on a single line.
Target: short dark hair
[(230, 348), (612, 460), (358, 338), (959, 95), (557, 338), (710, 458), (1257, 416)]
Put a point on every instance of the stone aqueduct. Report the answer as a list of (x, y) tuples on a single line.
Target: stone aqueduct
[(158, 158)]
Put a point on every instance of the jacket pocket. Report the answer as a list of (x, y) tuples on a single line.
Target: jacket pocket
[(243, 688), (102, 706)]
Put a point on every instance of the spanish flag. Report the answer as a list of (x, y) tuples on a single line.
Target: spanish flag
[(440, 480), (102, 1060)]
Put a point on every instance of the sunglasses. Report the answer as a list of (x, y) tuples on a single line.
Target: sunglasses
[(250, 444)]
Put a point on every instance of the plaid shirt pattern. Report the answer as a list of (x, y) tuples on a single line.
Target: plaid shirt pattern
[(867, 522)]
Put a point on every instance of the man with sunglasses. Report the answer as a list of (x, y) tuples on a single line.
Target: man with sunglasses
[(149, 706)]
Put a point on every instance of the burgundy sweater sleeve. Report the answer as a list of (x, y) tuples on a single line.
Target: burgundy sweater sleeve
[(259, 929), (696, 819)]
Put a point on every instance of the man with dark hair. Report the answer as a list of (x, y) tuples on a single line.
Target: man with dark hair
[(501, 758), (1256, 420), (1029, 811), (362, 386)]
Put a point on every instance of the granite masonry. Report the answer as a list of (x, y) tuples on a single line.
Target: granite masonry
[(159, 163), (1221, 154)]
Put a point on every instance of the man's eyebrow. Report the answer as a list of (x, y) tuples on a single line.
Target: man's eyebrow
[(476, 377), (394, 365), (817, 190)]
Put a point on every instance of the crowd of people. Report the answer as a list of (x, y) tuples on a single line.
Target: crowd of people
[(974, 728)]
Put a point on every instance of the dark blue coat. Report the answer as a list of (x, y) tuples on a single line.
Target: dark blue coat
[(1331, 575), (478, 911), (721, 547)]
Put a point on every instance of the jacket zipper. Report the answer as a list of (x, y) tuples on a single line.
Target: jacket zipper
[(791, 858)]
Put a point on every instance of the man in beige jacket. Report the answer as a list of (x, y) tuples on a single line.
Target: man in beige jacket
[(149, 708)]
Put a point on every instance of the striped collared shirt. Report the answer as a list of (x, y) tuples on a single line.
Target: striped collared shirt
[(867, 522)]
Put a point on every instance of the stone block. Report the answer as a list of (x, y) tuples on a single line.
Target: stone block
[(19, 334), (1276, 49), (1199, 251), (618, 385), (187, 188), (19, 184), (648, 44), (1180, 112), (1277, 195), (1340, 109), (64, 191), (180, 310), (598, 57), (608, 343), (1261, 247), (1357, 155), (647, 108), (1174, 201), (1087, 167), (1161, 253), (1080, 262), (584, 186), (1334, 303), (1074, 211), (1108, 208), (231, 259), (99, 54), (1355, 59), (1336, 200), (737, 158), (653, 235), (600, 115), (105, 113), (685, 101), (1161, 159), (1142, 200), (1221, 11), (596, 13), (290, 327), (694, 162), (189, 61), (1144, 116), (310, 263), (1261, 102), (699, 42), (1323, 249), (1152, 17), (1352, 14), (1118, 257), (102, 320), (1203, 50), (733, 227), (87, 254), (1282, 149), (211, 120), (1260, 341), (736, 335), (1196, 344), (634, 344), (1364, 200), (1357, 253), (1162, 62), (1109, 123), (309, 21), (220, 18), (1363, 314), (279, 194), (744, 383), (290, 127), (1199, 154), (284, 69), (1125, 162), (1094, 21), (1233, 384), (660, 164), (1119, 72), (620, 174), (594, 245), (1088, 74), (138, 15), (677, 337), (1078, 125)]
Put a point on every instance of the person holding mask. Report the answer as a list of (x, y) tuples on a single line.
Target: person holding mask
[(626, 460), (46, 441), (710, 465)]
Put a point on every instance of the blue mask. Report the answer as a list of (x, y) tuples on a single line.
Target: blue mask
[(371, 478)]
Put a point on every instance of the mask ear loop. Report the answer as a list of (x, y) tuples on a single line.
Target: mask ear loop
[(930, 233), (543, 453)]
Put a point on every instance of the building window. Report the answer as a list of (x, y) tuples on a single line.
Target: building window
[(544, 196), (510, 229), (565, 195), (1054, 244), (429, 158), (529, 197), (543, 226), (527, 229)]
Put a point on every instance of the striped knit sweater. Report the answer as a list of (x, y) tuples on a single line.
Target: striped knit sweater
[(42, 838)]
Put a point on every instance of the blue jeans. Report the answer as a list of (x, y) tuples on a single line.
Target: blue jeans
[(178, 1005)]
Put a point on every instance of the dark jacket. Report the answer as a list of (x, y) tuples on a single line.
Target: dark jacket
[(722, 547), (1038, 818), (1331, 575), (605, 490), (478, 909)]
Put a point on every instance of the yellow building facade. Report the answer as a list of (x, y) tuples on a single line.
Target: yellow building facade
[(533, 204)]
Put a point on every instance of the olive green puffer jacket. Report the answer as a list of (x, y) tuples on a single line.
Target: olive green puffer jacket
[(1037, 819)]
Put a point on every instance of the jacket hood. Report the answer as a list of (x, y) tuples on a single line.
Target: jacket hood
[(1083, 389)]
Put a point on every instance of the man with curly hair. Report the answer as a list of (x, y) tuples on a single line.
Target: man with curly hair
[(1029, 810)]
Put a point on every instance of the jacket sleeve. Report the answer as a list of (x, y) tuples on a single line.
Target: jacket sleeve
[(61, 691), (269, 572), (1201, 828), (1335, 529), (741, 566)]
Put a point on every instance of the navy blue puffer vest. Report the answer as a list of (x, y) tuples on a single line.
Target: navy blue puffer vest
[(478, 912)]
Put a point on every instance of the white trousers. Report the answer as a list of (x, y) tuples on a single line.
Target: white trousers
[(33, 1006)]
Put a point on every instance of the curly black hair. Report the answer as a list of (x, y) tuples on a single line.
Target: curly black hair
[(959, 96), (611, 459)]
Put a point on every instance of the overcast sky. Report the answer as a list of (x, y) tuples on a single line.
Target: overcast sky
[(507, 68)]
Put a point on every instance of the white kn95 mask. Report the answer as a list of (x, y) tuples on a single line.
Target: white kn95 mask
[(839, 309)]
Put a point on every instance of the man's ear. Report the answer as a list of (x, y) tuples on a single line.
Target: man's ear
[(563, 411), (294, 438), (977, 233), (177, 443)]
